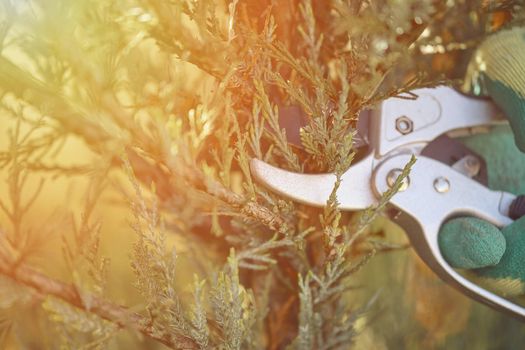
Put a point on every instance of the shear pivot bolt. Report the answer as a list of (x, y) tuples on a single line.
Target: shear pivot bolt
[(392, 177), (404, 125), (441, 184)]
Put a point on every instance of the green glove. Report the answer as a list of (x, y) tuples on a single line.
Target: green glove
[(496, 257)]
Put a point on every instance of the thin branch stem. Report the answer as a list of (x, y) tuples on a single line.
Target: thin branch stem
[(117, 314)]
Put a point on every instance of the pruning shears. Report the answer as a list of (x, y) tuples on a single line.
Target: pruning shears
[(447, 180)]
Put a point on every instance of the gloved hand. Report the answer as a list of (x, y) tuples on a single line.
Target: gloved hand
[(496, 257)]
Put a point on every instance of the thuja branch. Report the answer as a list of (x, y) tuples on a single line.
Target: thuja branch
[(95, 136), (117, 314), (250, 208), (214, 188)]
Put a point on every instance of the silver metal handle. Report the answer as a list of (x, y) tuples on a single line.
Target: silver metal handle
[(435, 194)]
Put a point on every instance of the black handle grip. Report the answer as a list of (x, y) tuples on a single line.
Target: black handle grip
[(517, 208)]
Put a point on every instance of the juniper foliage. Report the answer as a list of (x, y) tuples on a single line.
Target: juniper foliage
[(171, 100)]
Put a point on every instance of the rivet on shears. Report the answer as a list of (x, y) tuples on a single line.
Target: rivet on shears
[(392, 177), (468, 165), (404, 125), (441, 184)]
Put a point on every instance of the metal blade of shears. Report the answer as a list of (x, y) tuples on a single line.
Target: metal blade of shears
[(397, 126)]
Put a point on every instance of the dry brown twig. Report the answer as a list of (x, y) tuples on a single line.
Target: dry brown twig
[(45, 286)]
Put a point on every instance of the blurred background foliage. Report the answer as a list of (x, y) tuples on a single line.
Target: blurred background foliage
[(127, 127)]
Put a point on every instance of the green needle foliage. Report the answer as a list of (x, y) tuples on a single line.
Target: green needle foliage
[(166, 103)]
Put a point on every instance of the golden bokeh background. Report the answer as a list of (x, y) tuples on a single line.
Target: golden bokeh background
[(412, 310)]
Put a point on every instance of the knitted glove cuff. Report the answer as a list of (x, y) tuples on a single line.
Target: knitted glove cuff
[(501, 57)]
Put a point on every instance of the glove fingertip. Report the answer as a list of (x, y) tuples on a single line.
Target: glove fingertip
[(470, 243), (512, 264)]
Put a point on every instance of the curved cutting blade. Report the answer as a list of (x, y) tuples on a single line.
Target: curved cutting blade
[(355, 191)]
